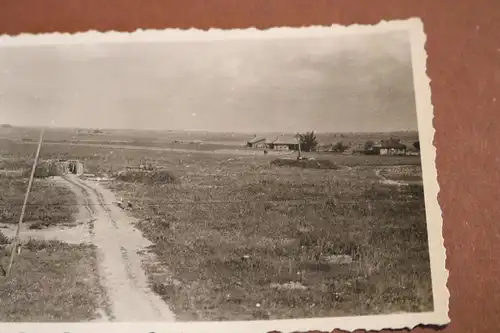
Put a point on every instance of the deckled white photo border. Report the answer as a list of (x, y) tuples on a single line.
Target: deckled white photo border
[(439, 274)]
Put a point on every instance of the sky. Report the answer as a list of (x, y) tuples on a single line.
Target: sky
[(350, 83)]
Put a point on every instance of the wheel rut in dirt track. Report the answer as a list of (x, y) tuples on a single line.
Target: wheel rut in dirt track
[(120, 265)]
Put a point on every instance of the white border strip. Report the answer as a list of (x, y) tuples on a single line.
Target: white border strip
[(439, 273), (197, 35)]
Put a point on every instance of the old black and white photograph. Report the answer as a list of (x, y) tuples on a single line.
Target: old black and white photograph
[(259, 180)]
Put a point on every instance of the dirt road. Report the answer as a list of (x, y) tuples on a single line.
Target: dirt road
[(386, 181), (120, 265)]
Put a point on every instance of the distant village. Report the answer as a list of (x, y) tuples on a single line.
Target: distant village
[(308, 142)]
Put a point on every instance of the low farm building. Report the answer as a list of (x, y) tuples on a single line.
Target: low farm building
[(51, 168), (257, 142), (281, 142), (75, 167), (392, 148), (284, 142)]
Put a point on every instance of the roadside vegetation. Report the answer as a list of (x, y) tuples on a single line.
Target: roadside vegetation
[(50, 281), (48, 204)]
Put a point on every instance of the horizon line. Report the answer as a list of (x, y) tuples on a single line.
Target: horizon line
[(198, 130)]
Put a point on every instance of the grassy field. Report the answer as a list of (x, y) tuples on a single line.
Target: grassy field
[(48, 204), (245, 240), (238, 238), (50, 280)]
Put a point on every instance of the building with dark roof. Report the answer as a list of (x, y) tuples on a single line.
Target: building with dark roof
[(284, 142), (392, 148), (257, 142)]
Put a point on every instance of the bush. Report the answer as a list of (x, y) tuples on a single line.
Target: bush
[(339, 147), (4, 240), (146, 177), (47, 169), (305, 164)]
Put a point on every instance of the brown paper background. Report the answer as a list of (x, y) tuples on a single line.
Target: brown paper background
[(463, 46)]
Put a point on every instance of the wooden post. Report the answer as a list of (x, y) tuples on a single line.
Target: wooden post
[(15, 242), (298, 140)]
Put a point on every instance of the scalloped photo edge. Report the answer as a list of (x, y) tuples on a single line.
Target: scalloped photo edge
[(425, 114)]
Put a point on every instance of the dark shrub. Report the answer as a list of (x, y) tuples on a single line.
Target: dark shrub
[(147, 177), (305, 164), (4, 239)]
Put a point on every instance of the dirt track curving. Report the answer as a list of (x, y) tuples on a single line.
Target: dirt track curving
[(120, 265)]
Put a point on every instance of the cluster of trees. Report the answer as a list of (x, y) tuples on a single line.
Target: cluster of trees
[(309, 142), (339, 147)]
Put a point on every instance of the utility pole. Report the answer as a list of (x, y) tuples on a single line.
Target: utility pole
[(298, 140), (15, 242)]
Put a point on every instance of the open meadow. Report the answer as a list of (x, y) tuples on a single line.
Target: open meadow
[(237, 237)]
